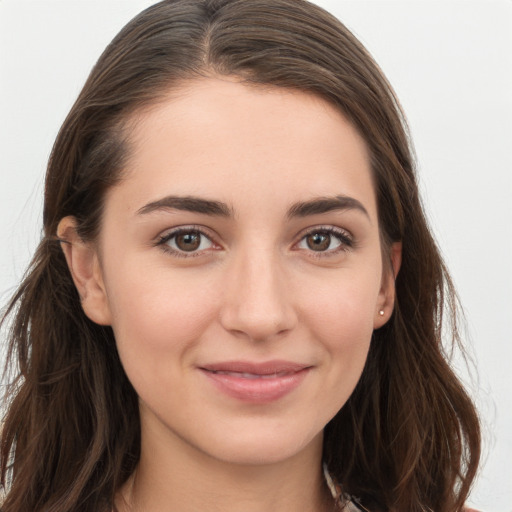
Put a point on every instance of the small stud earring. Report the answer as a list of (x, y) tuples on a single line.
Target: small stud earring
[(381, 312)]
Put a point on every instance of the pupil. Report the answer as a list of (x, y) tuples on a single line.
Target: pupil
[(188, 241), (318, 241)]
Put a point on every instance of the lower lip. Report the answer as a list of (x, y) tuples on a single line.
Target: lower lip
[(258, 390)]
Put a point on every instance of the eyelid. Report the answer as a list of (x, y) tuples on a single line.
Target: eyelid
[(165, 236), (346, 238)]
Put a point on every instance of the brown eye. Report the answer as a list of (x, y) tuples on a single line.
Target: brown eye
[(329, 240), (188, 241), (318, 241), (183, 241)]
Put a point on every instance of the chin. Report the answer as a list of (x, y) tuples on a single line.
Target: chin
[(263, 448)]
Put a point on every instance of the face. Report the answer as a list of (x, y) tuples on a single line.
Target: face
[(240, 267)]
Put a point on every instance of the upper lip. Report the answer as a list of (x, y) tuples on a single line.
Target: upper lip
[(256, 368)]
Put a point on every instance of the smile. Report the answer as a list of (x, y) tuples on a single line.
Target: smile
[(246, 375), (256, 383)]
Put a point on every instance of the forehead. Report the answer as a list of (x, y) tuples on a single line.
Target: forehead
[(223, 139)]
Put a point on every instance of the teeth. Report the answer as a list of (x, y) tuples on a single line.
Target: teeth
[(249, 375), (246, 375)]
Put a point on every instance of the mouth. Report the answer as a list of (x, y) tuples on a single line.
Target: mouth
[(247, 375), (256, 382)]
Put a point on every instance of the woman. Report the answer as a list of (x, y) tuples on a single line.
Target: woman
[(237, 303)]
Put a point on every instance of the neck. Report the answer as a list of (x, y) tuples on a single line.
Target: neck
[(171, 478)]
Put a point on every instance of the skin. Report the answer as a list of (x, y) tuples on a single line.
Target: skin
[(256, 289)]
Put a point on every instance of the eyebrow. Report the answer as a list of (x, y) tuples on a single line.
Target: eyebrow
[(188, 204), (194, 204), (325, 205)]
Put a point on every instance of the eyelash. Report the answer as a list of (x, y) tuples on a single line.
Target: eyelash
[(346, 240), (164, 239), (344, 237)]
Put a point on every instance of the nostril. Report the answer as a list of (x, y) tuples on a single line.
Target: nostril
[(257, 323), (257, 303)]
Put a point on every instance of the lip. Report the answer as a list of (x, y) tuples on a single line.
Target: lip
[(252, 382)]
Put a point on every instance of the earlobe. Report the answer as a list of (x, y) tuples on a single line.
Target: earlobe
[(386, 300), (84, 266)]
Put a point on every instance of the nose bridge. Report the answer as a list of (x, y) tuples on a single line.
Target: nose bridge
[(257, 294)]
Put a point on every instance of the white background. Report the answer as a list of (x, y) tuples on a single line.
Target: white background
[(451, 65)]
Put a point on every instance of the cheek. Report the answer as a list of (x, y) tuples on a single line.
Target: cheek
[(341, 306), (157, 312), (339, 315)]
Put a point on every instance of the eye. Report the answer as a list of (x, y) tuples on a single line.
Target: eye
[(185, 241), (326, 240)]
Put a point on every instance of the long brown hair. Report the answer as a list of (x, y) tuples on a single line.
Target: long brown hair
[(407, 439)]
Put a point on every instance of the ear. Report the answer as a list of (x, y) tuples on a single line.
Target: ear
[(386, 299), (84, 265)]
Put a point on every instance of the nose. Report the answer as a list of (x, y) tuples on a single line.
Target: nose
[(258, 302)]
